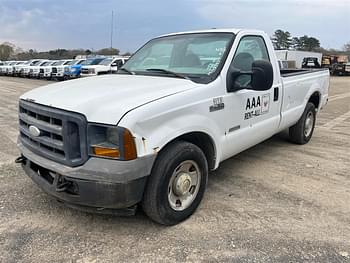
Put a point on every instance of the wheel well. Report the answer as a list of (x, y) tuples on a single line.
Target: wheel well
[(315, 99), (204, 142)]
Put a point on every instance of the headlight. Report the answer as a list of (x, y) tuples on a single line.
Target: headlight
[(111, 142), (91, 70), (66, 69)]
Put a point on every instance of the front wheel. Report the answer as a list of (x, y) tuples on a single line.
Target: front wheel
[(177, 183), (302, 131)]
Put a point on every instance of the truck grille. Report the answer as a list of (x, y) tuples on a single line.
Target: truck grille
[(54, 70), (85, 70), (62, 135)]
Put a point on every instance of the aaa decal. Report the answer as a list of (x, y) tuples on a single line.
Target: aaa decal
[(257, 106)]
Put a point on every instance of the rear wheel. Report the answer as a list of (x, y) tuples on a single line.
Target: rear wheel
[(177, 183), (302, 131)]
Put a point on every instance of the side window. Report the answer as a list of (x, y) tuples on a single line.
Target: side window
[(250, 49), (118, 63)]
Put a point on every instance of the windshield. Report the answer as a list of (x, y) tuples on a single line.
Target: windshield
[(192, 55), (58, 63), (92, 61), (37, 63), (73, 62), (106, 61), (46, 63)]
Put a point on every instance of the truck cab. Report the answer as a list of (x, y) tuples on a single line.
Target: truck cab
[(34, 71), (149, 135), (72, 69), (57, 69), (25, 68), (107, 65)]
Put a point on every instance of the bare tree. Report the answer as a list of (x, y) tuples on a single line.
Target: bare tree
[(6, 50), (346, 47)]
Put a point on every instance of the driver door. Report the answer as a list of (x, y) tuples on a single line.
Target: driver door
[(252, 116)]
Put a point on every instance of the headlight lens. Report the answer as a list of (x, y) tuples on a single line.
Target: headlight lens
[(111, 142), (66, 69)]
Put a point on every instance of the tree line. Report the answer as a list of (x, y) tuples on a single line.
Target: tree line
[(284, 40), (9, 51), (280, 39)]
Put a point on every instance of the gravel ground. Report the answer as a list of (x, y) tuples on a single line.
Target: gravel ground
[(276, 202)]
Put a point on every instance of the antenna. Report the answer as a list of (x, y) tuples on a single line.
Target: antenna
[(112, 22)]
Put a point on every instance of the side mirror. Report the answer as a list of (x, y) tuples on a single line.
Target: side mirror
[(262, 77), (259, 78)]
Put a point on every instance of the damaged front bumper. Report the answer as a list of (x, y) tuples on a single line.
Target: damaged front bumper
[(99, 185)]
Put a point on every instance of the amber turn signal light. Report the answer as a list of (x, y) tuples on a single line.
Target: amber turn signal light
[(106, 152), (129, 146)]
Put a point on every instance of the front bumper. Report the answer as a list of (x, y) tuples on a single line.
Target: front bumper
[(34, 74), (58, 74), (88, 74), (99, 185)]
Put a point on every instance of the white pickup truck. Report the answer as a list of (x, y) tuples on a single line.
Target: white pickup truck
[(107, 65), (150, 134)]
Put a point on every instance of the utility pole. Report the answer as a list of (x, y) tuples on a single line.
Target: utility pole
[(112, 22)]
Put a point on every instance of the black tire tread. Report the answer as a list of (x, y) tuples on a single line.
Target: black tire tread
[(163, 161), (296, 132)]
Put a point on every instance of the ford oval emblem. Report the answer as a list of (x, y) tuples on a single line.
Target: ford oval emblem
[(34, 131)]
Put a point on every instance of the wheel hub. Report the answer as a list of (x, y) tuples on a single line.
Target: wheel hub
[(309, 122), (182, 184)]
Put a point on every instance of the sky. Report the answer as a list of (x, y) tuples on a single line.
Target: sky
[(48, 24)]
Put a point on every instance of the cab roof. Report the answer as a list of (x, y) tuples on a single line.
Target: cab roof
[(213, 30)]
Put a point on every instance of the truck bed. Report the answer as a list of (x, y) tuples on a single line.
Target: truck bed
[(295, 72)]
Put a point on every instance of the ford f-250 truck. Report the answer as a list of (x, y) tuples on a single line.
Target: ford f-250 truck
[(150, 134)]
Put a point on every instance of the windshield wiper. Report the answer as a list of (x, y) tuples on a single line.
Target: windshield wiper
[(127, 71), (178, 75)]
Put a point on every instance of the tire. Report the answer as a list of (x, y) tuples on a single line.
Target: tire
[(167, 172), (302, 131)]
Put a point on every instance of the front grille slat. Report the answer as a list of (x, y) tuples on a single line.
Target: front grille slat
[(48, 141), (57, 134), (41, 124), (45, 152)]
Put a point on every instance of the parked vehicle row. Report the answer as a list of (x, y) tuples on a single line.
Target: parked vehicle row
[(62, 69)]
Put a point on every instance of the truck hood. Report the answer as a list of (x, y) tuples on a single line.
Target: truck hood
[(105, 99)]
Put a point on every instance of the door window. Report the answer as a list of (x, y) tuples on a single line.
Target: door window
[(250, 49)]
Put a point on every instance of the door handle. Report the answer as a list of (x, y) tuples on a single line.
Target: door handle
[(275, 94)]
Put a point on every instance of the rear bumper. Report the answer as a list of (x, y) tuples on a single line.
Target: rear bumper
[(99, 184)]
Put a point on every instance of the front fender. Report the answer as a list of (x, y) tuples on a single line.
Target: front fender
[(152, 135)]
